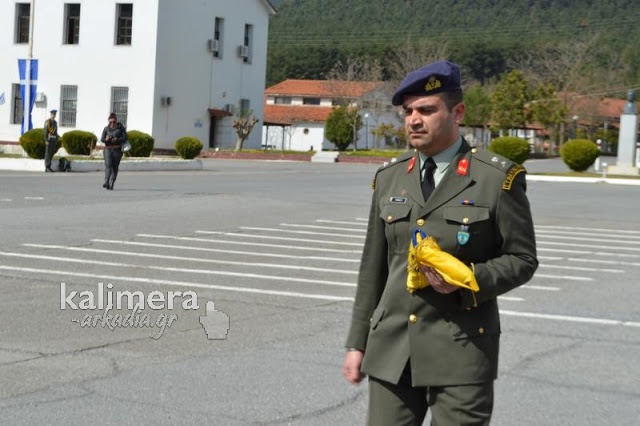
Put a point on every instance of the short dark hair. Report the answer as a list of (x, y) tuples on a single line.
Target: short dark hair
[(113, 115), (452, 98)]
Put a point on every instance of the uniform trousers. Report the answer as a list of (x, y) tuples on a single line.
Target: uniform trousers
[(403, 404), (50, 149), (112, 157)]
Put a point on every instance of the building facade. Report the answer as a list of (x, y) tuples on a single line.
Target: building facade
[(168, 68)]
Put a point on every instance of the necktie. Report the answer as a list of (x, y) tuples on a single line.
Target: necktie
[(428, 184)]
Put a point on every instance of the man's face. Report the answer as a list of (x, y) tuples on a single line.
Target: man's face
[(429, 124), (53, 115)]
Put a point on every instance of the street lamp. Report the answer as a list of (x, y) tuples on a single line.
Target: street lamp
[(366, 127)]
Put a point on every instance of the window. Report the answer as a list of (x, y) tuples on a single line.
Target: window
[(283, 100), (124, 23), (71, 23), (23, 11), (16, 116), (120, 103), (68, 105), (248, 38), (311, 101), (244, 107), (218, 31)]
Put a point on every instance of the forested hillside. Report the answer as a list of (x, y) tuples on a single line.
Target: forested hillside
[(487, 37)]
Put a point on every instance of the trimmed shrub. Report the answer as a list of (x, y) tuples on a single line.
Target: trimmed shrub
[(33, 143), (579, 154), (141, 144), (188, 147), (515, 149), (79, 142)]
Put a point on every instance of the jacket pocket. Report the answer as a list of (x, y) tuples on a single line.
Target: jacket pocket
[(396, 218)]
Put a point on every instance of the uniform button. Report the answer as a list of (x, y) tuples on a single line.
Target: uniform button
[(481, 330), (413, 319), (465, 220), (389, 218), (420, 222)]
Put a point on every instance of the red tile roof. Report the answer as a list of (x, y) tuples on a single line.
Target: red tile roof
[(288, 114), (323, 88)]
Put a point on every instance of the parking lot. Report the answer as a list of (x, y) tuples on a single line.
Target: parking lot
[(276, 246)]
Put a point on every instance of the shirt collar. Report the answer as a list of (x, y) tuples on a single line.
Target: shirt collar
[(443, 158)]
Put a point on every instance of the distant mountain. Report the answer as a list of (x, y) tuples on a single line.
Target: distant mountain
[(306, 37)]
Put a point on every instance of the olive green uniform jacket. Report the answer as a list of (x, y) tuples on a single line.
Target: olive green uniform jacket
[(449, 339)]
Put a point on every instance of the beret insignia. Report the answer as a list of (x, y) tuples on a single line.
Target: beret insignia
[(432, 84)]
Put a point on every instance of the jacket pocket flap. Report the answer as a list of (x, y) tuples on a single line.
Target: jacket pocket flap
[(465, 214), (376, 317), (392, 213)]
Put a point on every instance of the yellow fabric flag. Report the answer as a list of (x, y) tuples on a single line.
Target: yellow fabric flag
[(425, 251)]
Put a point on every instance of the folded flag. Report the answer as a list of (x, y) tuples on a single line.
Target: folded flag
[(425, 251)]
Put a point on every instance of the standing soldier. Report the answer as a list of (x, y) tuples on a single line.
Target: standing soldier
[(50, 140), (427, 339)]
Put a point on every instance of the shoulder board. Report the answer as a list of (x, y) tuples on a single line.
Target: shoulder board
[(508, 167), (493, 159), (394, 161)]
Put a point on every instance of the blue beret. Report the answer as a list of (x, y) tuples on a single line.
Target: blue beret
[(54, 111), (442, 76)]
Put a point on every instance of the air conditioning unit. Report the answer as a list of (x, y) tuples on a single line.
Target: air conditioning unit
[(230, 108), (243, 51), (165, 100), (40, 97), (213, 45)]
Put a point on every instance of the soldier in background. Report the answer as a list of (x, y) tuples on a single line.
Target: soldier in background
[(50, 140)]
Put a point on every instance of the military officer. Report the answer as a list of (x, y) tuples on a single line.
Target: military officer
[(437, 348), (50, 139)]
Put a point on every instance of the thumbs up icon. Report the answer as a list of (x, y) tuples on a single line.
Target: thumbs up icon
[(215, 323)]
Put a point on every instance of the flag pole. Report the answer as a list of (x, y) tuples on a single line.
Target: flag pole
[(32, 9)]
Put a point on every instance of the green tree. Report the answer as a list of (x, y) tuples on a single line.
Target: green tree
[(508, 100), (548, 110), (478, 112), (339, 129)]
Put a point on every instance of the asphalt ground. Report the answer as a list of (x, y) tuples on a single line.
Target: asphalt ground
[(275, 246)]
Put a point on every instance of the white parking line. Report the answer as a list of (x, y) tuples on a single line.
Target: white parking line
[(333, 228), (580, 268), (289, 231), (539, 287), (226, 251), (593, 240), (598, 247), (593, 253), (563, 277), (600, 321), (271, 237), (605, 262), (611, 231), (34, 198), (250, 243), (180, 284), (549, 233), (339, 222), (167, 269), (194, 259)]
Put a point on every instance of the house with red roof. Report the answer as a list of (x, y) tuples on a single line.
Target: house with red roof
[(295, 112)]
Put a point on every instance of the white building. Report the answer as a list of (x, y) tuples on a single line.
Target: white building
[(168, 68)]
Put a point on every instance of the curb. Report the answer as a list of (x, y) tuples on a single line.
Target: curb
[(31, 165), (612, 181)]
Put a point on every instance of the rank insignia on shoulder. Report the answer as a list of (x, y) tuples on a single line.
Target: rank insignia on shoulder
[(373, 184), (511, 175)]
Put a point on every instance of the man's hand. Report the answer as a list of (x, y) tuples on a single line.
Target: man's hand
[(351, 367), (437, 282)]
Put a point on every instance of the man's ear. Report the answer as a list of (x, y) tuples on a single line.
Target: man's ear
[(458, 112)]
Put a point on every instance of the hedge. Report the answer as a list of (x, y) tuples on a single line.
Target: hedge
[(141, 144), (579, 154), (515, 149), (79, 142), (188, 147)]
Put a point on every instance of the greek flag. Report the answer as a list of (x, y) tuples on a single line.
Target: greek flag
[(2, 98), (28, 69)]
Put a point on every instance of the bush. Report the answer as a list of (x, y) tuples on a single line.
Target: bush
[(79, 142), (188, 147), (141, 144), (33, 143), (515, 149), (579, 154)]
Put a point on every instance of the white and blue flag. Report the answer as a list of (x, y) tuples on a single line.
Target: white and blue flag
[(2, 98), (28, 69)]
